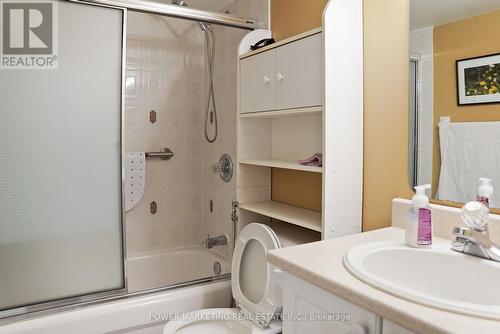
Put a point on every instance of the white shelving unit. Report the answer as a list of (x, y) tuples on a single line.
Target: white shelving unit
[(297, 97), (293, 165), (284, 113), (280, 122), (287, 213)]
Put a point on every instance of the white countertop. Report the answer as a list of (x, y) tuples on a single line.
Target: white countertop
[(320, 263)]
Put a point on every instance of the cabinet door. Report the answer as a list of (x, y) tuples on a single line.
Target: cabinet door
[(299, 78), (309, 309), (258, 82)]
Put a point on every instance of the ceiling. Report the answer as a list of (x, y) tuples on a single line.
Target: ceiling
[(428, 13)]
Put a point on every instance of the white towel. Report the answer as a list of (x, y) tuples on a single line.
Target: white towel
[(468, 151), (135, 178)]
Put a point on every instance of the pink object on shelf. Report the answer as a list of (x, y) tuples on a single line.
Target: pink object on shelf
[(315, 160)]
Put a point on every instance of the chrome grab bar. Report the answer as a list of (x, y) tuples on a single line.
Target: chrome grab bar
[(164, 154)]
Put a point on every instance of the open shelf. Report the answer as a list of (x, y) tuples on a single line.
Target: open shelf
[(292, 235), (291, 214), (284, 113), (282, 164)]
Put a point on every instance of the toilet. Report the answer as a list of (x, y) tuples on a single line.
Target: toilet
[(254, 283)]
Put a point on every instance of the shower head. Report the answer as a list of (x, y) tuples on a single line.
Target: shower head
[(204, 26)]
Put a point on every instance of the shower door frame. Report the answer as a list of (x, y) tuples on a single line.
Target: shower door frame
[(54, 306), (180, 12)]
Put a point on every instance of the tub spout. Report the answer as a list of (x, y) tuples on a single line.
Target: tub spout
[(216, 241)]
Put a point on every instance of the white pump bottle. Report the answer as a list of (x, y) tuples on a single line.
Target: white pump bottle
[(419, 220), (485, 192)]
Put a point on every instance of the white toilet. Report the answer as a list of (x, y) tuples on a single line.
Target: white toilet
[(255, 289)]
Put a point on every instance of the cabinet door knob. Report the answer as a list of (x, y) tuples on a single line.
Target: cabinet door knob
[(267, 80), (280, 76)]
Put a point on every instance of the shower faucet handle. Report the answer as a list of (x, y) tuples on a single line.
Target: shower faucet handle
[(224, 167), (217, 168)]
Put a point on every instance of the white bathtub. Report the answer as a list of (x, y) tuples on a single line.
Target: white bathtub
[(146, 313), (133, 315), (172, 267)]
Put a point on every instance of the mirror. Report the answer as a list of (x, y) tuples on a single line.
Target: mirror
[(454, 112)]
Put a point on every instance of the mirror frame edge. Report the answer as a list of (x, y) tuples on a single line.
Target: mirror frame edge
[(495, 211)]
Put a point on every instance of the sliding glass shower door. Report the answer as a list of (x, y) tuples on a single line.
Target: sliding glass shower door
[(60, 153)]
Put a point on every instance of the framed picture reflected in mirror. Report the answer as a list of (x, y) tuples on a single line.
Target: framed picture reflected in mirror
[(478, 80)]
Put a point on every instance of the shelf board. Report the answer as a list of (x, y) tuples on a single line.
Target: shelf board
[(283, 42), (291, 214), (292, 235), (309, 111), (282, 164)]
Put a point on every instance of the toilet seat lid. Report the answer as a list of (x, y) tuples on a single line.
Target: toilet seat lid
[(251, 280)]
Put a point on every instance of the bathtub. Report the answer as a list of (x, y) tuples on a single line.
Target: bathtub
[(172, 267), (144, 313)]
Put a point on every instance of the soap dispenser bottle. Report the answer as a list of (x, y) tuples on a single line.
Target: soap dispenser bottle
[(419, 220), (485, 192)]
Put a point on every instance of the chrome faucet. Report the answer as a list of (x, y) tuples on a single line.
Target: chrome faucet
[(224, 167), (216, 241), (475, 240)]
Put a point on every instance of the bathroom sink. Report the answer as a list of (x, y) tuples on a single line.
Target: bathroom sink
[(437, 277)]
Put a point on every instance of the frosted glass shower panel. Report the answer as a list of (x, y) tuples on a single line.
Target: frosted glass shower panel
[(60, 165)]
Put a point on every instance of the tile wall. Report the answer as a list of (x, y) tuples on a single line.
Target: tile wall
[(166, 72), (222, 194)]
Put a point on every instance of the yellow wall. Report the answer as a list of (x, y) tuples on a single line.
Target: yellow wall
[(292, 17), (302, 189), (386, 73), (386, 25), (459, 40)]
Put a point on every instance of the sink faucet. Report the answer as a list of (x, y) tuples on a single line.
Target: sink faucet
[(475, 240), (216, 241)]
